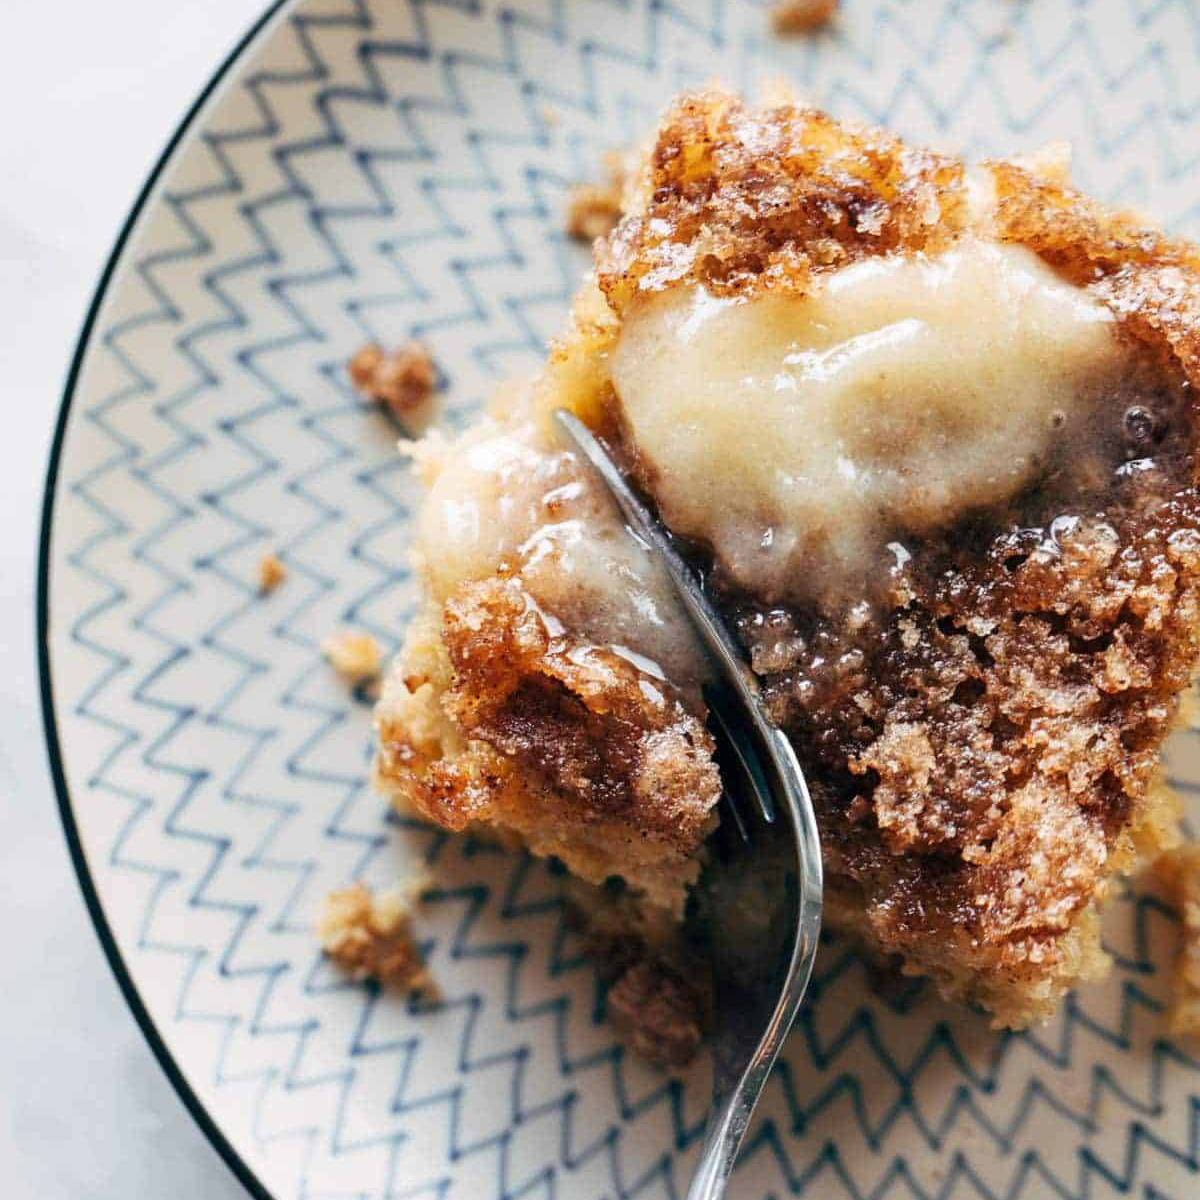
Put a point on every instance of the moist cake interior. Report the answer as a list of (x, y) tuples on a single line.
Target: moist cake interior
[(929, 431)]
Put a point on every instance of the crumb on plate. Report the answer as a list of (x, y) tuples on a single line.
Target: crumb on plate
[(593, 209), (655, 1012), (401, 380), (370, 936), (802, 16), (271, 573), (354, 656), (659, 1001), (1179, 871)]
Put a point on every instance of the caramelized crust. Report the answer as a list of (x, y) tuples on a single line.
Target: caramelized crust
[(741, 199), (568, 745), (1151, 281), (613, 741)]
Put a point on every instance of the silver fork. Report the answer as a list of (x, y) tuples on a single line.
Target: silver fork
[(768, 872)]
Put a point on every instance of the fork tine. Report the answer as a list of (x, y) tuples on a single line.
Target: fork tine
[(733, 831), (745, 752), (737, 821)]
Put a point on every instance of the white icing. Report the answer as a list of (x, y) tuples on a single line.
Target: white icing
[(795, 435), (503, 499)]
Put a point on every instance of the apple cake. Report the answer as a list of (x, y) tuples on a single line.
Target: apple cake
[(928, 430)]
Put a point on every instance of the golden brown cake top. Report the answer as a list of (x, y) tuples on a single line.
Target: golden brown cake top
[(739, 198)]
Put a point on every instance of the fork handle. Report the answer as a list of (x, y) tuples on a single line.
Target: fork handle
[(721, 1144)]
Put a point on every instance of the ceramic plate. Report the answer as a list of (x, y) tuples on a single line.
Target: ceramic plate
[(374, 171)]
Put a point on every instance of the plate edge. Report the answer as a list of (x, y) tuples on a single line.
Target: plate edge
[(91, 896)]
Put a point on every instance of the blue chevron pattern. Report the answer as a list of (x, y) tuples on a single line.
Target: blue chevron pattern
[(375, 170)]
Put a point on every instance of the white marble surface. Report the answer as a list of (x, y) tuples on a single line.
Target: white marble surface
[(90, 93)]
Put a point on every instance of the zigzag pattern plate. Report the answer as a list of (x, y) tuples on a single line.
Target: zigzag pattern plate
[(394, 168)]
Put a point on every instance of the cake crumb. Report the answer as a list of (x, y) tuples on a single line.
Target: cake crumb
[(656, 1014), (400, 380), (593, 209), (370, 937), (1051, 162), (271, 573), (1179, 872), (802, 16), (356, 657)]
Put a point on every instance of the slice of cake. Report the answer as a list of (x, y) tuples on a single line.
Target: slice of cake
[(930, 433)]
